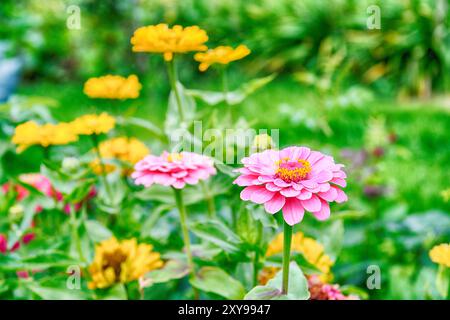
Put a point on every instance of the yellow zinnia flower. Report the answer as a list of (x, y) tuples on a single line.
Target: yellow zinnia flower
[(31, 133), (113, 87), (93, 124), (440, 254), (165, 40), (121, 262), (263, 142), (222, 55), (445, 194), (312, 251), (129, 150)]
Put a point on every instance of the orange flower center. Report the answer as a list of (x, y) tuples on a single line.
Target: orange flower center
[(293, 171)]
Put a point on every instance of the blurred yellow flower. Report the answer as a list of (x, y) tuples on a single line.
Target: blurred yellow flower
[(263, 142), (121, 262), (312, 251), (129, 150), (266, 274), (31, 133), (445, 194), (162, 39), (222, 55), (93, 124), (440, 254), (113, 87)]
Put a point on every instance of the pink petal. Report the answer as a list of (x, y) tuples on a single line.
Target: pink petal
[(330, 195), (179, 184), (293, 211), (245, 180), (305, 195), (261, 195), (290, 192), (248, 191), (275, 204), (341, 196), (312, 205), (324, 212), (272, 187), (309, 184), (339, 182), (281, 183), (324, 176)]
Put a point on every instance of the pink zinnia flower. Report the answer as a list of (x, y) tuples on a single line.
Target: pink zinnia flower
[(43, 184), (326, 291), (173, 169), (293, 180)]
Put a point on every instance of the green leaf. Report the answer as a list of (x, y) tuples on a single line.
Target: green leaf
[(188, 107), (49, 293), (219, 234), (117, 292), (247, 228), (232, 97), (39, 262), (143, 123), (172, 270), (215, 280), (297, 288), (443, 281), (96, 231), (259, 214)]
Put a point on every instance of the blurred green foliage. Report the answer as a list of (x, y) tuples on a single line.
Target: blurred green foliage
[(329, 40)]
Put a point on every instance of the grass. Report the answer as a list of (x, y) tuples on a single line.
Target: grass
[(418, 172)]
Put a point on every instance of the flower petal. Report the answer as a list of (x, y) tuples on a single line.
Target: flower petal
[(293, 211), (313, 204), (248, 191), (275, 204), (289, 192), (261, 195), (324, 212)]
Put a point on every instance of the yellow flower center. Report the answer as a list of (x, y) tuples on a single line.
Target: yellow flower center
[(172, 157), (293, 171)]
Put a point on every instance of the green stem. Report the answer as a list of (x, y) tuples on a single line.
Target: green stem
[(185, 232), (286, 256), (102, 167), (255, 268), (209, 200), (225, 93), (75, 236), (173, 78), (46, 152)]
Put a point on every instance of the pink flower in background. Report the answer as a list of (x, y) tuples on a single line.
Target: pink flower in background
[(293, 180), (173, 169), (4, 242), (326, 291), (42, 184)]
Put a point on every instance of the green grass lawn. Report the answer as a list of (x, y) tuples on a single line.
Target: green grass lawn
[(418, 172)]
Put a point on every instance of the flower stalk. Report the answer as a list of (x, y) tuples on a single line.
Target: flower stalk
[(225, 89), (75, 235), (185, 231), (173, 79), (102, 166), (287, 234), (209, 200)]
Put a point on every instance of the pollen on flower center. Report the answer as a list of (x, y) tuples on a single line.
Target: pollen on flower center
[(114, 260), (293, 171), (172, 157)]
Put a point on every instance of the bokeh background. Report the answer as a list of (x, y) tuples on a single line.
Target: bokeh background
[(379, 100)]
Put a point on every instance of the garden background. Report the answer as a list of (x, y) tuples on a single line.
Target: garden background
[(378, 100)]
